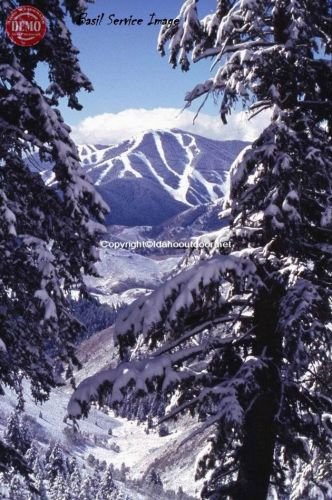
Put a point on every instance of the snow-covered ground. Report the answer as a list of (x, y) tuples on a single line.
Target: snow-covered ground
[(126, 275), (129, 443)]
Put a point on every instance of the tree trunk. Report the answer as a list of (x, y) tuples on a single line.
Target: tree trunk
[(256, 458), (257, 450)]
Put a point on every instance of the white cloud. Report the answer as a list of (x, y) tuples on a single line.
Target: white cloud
[(111, 128)]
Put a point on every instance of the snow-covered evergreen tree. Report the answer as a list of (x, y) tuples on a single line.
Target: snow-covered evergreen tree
[(95, 481), (57, 489), (154, 477), (32, 455), (11, 433), (243, 339), (41, 488), (154, 484), (123, 473), (17, 490), (56, 465), (48, 234), (74, 480), (107, 489), (16, 433), (87, 491)]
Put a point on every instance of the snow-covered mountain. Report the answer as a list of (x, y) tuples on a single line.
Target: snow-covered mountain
[(157, 174)]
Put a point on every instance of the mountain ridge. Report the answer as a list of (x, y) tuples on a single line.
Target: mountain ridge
[(157, 174)]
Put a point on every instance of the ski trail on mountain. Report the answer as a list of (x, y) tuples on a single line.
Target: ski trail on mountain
[(161, 152), (161, 181), (184, 184), (124, 158)]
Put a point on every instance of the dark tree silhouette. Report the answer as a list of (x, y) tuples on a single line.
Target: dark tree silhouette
[(48, 234)]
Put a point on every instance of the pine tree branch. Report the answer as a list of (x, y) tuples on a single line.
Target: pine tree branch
[(191, 333)]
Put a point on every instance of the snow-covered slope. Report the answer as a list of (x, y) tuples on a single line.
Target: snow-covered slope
[(129, 443), (192, 222), (157, 174), (125, 275)]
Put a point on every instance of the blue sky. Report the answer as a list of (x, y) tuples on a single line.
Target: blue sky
[(128, 74), (122, 61)]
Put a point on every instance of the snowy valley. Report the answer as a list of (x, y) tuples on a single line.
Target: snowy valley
[(162, 185)]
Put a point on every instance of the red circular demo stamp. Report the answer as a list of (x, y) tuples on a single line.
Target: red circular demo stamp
[(26, 26)]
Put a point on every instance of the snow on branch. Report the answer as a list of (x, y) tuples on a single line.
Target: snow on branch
[(302, 316), (241, 38), (222, 399), (54, 139), (179, 293), (137, 372), (169, 364)]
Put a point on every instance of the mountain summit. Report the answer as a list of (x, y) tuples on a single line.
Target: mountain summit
[(158, 174)]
